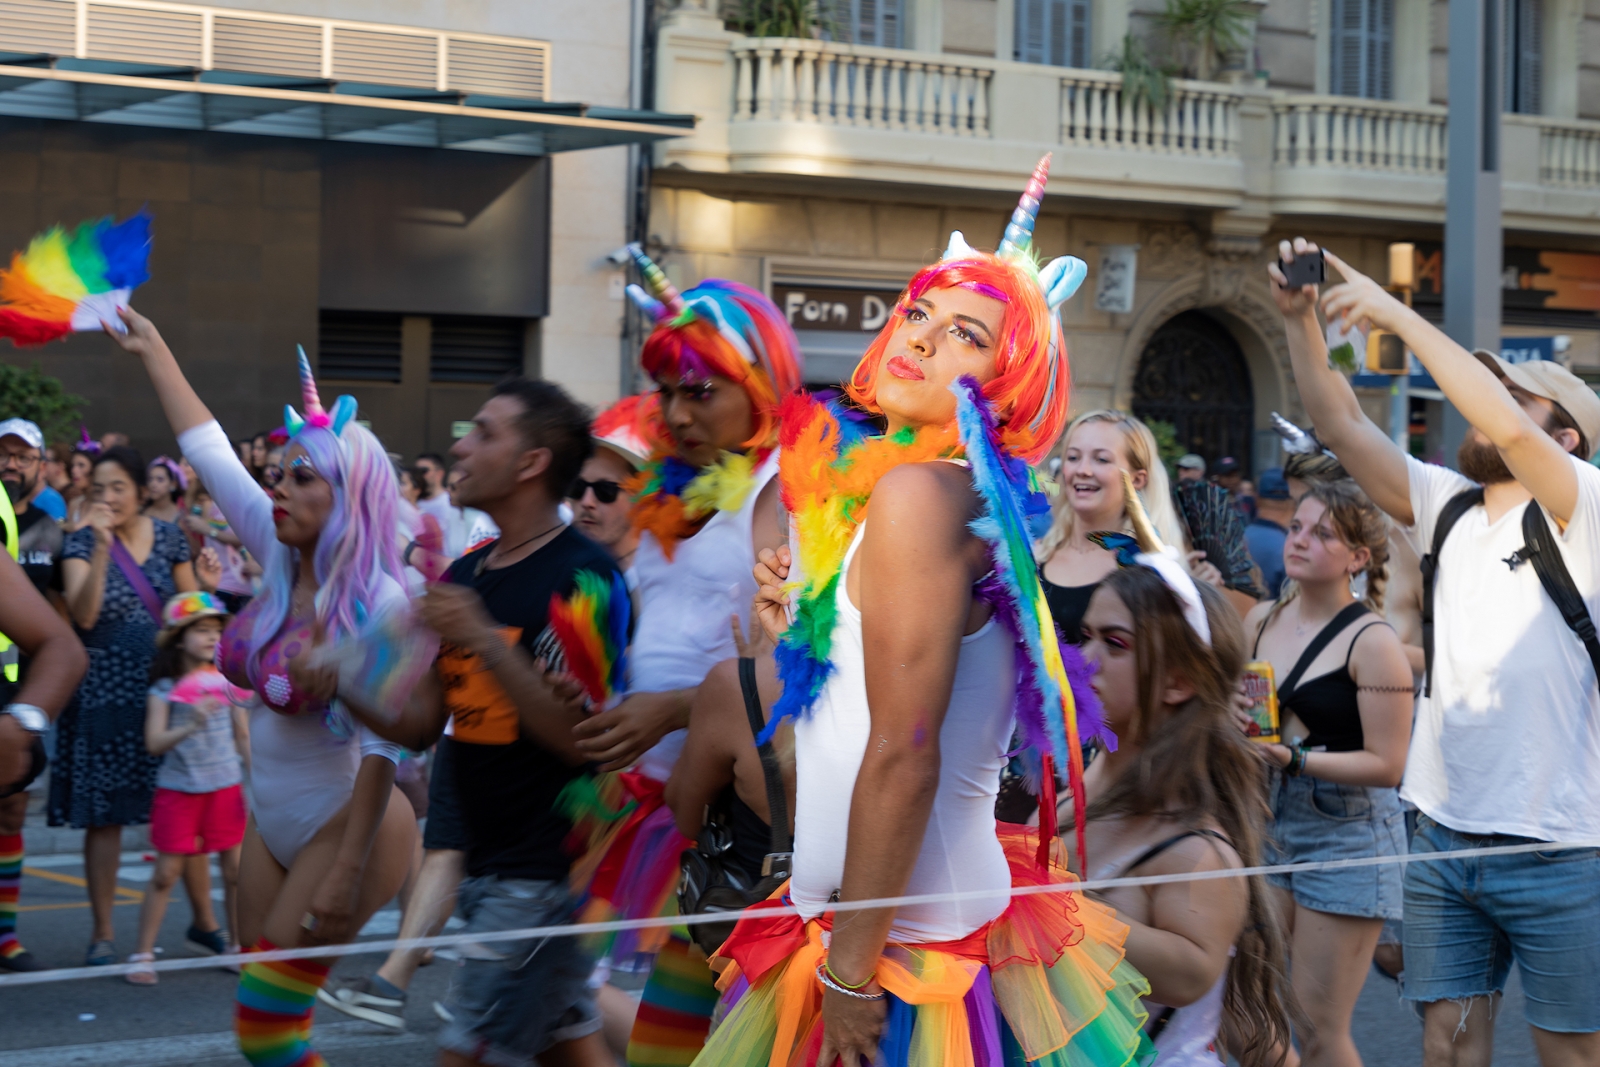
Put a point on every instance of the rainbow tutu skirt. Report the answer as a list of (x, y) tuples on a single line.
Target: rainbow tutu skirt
[(1046, 983), (635, 869)]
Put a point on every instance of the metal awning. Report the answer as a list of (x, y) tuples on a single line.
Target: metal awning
[(186, 98)]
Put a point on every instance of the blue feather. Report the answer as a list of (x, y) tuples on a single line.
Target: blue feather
[(126, 247)]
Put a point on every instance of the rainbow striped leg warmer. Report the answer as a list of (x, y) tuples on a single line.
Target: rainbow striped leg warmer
[(10, 889), (676, 1009), (273, 1015)]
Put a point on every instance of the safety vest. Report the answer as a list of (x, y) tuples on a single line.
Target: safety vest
[(8, 651)]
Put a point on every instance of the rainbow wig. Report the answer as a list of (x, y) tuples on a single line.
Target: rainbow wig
[(357, 558), (724, 329), (1030, 391)]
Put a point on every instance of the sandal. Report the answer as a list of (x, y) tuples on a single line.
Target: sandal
[(100, 954), (142, 975)]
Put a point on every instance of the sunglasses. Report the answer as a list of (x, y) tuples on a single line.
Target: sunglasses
[(605, 490)]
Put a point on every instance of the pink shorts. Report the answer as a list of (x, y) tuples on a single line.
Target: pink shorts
[(194, 823)]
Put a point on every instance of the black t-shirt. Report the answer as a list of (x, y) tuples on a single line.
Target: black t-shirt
[(506, 784)]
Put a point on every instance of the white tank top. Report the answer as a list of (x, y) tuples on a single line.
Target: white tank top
[(684, 607), (1189, 1039), (960, 852)]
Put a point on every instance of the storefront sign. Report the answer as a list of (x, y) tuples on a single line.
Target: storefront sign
[(1512, 350), (816, 307), (1113, 289), (1535, 279)]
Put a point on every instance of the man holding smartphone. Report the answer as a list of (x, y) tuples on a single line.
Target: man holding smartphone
[(1506, 749)]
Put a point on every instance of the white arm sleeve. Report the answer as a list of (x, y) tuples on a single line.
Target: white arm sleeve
[(243, 503), (373, 745)]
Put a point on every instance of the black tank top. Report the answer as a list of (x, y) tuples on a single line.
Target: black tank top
[(1327, 704), (752, 837), (1068, 605)]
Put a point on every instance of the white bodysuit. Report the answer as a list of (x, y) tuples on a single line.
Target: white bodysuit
[(960, 851), (301, 772), (684, 608)]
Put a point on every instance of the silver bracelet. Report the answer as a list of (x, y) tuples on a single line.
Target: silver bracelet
[(829, 983)]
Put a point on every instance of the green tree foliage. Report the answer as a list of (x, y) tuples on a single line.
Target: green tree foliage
[(780, 18), (1142, 77), (31, 394), (1205, 32), (1166, 435)]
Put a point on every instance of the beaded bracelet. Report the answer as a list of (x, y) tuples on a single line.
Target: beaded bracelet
[(1297, 761), (829, 983)]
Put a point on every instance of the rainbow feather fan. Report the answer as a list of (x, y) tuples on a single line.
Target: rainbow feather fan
[(64, 282), (592, 625)]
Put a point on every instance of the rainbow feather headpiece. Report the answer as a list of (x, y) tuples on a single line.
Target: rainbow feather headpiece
[(344, 409), (64, 283), (1058, 279), (592, 625)]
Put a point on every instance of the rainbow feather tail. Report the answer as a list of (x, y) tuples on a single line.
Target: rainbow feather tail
[(592, 626), (64, 282)]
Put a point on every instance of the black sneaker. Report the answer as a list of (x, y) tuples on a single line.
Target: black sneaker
[(205, 942), (359, 998), (22, 961)]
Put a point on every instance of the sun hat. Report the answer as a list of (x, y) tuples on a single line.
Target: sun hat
[(185, 609)]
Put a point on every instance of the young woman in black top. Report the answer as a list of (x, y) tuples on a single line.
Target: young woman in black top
[(1344, 691), (1097, 447)]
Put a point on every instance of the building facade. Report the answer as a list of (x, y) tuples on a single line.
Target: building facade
[(423, 195), (827, 171)]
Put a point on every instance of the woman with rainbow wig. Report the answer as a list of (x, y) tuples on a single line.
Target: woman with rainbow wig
[(913, 640), (331, 838), (723, 359)]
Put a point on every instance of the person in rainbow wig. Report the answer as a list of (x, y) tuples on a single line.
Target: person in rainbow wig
[(919, 642), (723, 359), (331, 838)]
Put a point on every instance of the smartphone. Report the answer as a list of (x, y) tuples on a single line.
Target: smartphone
[(1306, 269)]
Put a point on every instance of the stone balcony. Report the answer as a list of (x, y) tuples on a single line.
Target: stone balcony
[(786, 107)]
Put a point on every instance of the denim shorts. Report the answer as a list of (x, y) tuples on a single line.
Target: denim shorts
[(1316, 820), (512, 1000), (1466, 920)]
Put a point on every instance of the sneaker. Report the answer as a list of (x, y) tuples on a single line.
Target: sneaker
[(358, 998), (20, 962), (100, 954), (205, 942)]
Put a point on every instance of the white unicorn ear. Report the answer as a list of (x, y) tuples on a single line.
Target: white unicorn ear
[(1060, 279), (958, 247)]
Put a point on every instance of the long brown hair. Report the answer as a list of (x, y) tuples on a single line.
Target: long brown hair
[(1196, 767)]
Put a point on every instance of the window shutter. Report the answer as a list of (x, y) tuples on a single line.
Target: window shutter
[(1031, 43), (475, 349), (1363, 48), (1053, 32), (1078, 55), (1523, 26), (1380, 51), (362, 346)]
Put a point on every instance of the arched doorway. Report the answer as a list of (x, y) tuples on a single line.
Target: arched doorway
[(1193, 374)]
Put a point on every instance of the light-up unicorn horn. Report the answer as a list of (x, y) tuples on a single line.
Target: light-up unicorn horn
[(1019, 231), (662, 300)]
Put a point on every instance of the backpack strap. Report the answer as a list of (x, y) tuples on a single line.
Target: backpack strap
[(1548, 563), (780, 847), (1449, 515)]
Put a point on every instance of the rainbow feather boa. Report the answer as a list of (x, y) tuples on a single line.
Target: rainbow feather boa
[(672, 500), (827, 482)]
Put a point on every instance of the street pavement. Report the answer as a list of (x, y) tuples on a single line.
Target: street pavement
[(187, 1018)]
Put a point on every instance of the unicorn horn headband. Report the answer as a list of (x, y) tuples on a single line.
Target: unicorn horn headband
[(665, 304), (344, 409), (1058, 279)]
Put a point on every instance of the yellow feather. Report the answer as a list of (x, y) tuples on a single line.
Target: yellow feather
[(51, 267), (722, 486)]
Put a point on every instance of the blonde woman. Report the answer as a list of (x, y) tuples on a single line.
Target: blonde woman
[(1097, 447)]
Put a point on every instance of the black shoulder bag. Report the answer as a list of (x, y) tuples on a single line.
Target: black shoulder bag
[(708, 882), (1539, 548)]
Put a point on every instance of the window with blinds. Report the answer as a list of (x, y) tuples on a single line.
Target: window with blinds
[(1522, 23), (1053, 32), (361, 346), (475, 348), (1363, 49), (874, 22)]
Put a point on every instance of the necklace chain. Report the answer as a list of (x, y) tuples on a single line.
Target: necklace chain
[(483, 563)]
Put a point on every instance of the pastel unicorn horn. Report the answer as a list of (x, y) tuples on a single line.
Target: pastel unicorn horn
[(1018, 238), (308, 387), (665, 302), (344, 409)]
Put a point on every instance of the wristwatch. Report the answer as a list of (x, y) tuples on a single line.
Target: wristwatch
[(33, 719)]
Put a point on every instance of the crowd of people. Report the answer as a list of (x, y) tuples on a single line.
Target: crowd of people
[(1003, 680)]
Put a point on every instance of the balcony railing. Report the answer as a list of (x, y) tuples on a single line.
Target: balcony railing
[(1199, 119), (1569, 153), (789, 80), (1347, 132), (217, 38)]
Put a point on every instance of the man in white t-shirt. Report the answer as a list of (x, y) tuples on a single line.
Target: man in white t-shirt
[(434, 500), (1506, 748)]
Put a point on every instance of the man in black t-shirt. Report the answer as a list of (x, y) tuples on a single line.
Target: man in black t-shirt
[(511, 744), (39, 553)]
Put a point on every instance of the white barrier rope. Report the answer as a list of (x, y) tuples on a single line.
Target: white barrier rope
[(355, 948)]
